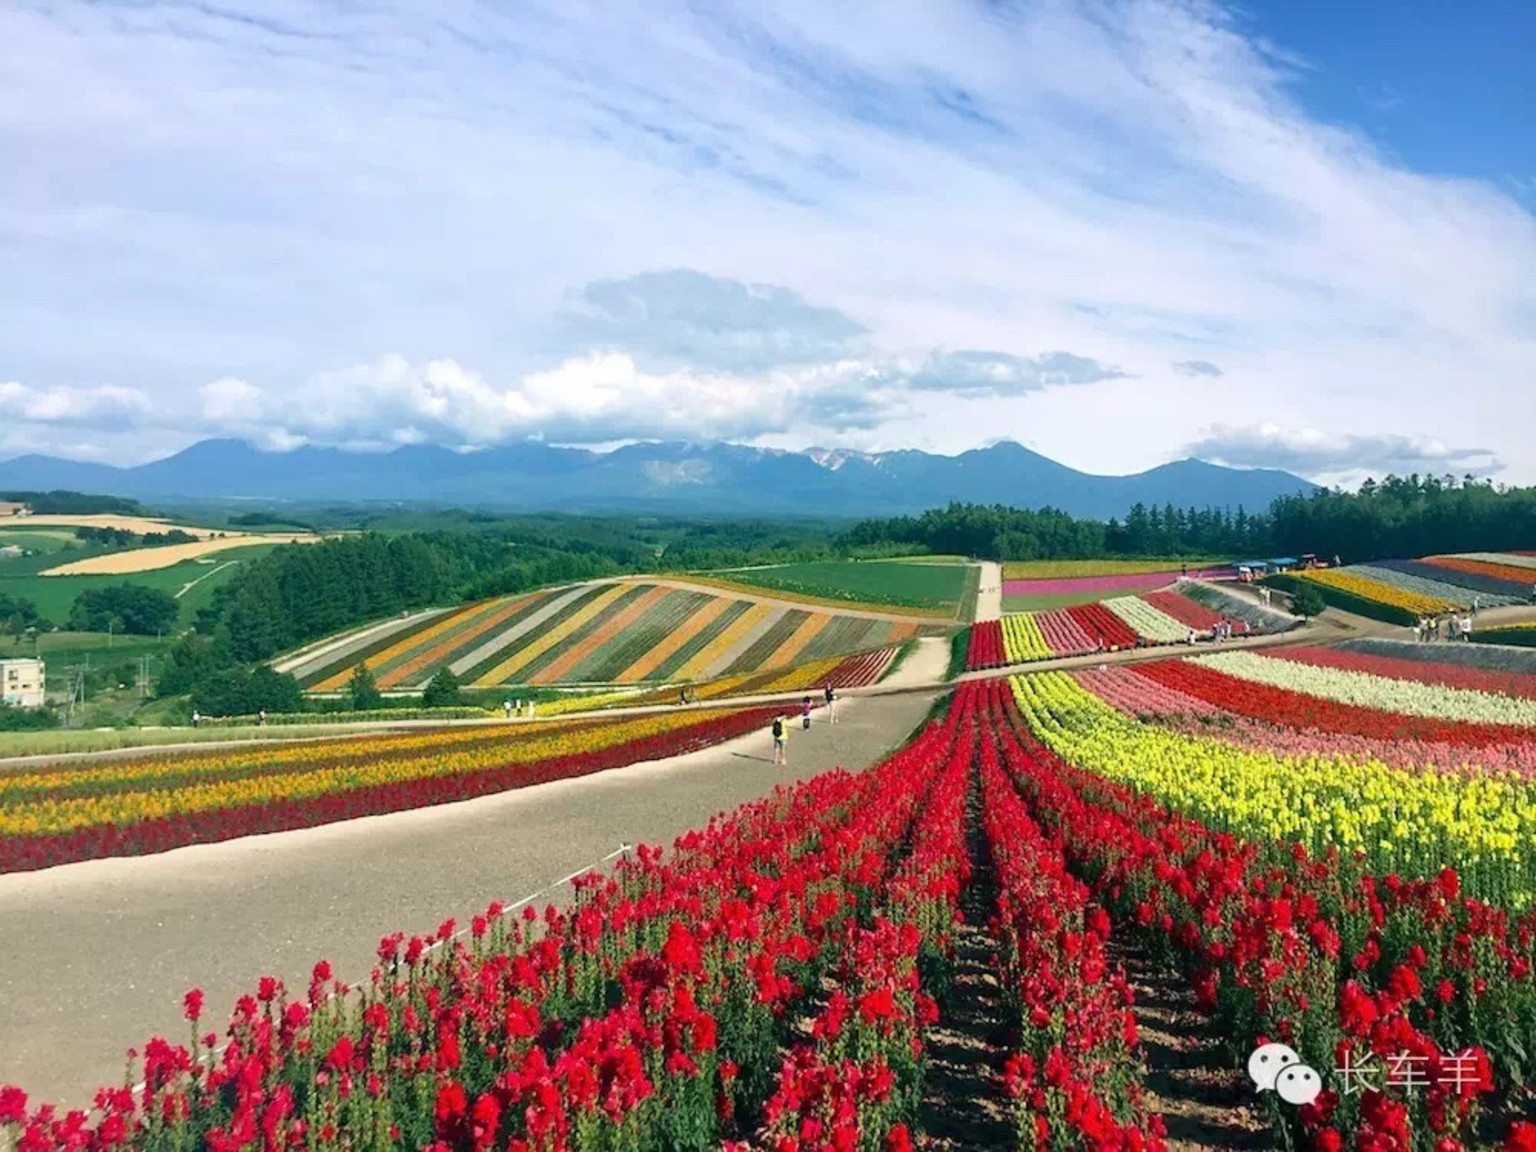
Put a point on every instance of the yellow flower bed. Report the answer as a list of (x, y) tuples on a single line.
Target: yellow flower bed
[(1023, 640), (327, 769), (1408, 821), (1346, 581)]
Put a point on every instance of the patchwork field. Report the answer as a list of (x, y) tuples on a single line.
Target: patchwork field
[(1403, 590), (63, 813), (1076, 569), (191, 581), (931, 589), (1092, 883), (143, 525), (137, 560), (617, 633), (1118, 623), (1127, 578)]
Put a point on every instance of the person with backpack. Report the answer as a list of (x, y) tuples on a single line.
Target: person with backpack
[(831, 700), (780, 755)]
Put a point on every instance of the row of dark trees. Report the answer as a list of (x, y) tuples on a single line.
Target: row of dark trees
[(1405, 516), (123, 538), (64, 503), (996, 532), (1401, 516)]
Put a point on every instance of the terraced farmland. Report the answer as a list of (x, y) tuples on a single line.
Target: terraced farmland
[(617, 633)]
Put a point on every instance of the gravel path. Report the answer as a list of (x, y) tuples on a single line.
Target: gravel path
[(97, 955), (989, 592)]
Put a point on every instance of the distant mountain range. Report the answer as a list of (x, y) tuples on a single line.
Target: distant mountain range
[(673, 477)]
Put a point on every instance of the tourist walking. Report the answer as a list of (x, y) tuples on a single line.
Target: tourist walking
[(780, 755), (805, 713), (506, 706), (831, 700)]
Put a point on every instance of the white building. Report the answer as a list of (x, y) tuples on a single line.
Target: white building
[(23, 683)]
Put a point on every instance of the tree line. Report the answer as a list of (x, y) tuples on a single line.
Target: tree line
[(1401, 516), (997, 532)]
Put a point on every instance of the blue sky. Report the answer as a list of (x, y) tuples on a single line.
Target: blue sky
[(1446, 88), (1120, 231)]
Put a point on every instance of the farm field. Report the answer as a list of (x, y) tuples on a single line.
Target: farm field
[(1118, 623), (143, 525), (192, 582), (60, 814), (275, 904), (36, 540), (138, 560), (1068, 591), (1204, 816), (923, 588), (1519, 635), (1075, 569), (1403, 590), (629, 632)]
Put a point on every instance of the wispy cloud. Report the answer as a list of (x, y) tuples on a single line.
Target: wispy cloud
[(271, 193), (1196, 368), (1325, 456)]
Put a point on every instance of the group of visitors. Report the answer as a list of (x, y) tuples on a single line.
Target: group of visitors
[(1266, 594), (515, 708), (780, 728), (1223, 629), (1449, 627)]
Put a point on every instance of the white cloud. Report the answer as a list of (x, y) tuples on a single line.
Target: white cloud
[(601, 397), (96, 407), (254, 191), (1343, 457)]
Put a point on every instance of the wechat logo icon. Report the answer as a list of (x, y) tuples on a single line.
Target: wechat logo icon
[(1277, 1068)]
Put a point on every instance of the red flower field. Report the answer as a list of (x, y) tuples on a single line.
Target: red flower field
[(773, 982)]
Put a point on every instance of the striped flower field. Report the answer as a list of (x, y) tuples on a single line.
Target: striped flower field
[(1401, 590), (618, 633), (64, 813), (1162, 617)]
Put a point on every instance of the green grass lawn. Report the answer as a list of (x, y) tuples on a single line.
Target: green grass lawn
[(939, 587), (54, 595), (43, 540)]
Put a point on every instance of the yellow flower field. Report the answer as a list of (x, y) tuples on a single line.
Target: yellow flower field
[(1414, 602), (1402, 820)]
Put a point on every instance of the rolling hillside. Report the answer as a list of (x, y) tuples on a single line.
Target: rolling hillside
[(629, 632)]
